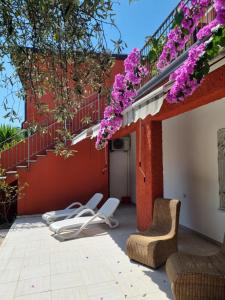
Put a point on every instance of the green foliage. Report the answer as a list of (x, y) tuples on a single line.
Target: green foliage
[(9, 136), (9, 194), (178, 18), (213, 48), (216, 43), (156, 47), (57, 46), (202, 69)]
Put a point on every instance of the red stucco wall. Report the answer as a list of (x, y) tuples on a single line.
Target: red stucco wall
[(54, 182), (31, 112)]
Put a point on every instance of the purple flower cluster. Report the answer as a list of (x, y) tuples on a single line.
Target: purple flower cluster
[(220, 11), (185, 83), (123, 93), (206, 31), (180, 35)]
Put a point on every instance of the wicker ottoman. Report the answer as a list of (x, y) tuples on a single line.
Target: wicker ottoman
[(197, 277)]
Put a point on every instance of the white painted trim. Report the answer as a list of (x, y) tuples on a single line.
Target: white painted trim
[(90, 132)]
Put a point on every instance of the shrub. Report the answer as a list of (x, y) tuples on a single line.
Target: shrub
[(10, 136)]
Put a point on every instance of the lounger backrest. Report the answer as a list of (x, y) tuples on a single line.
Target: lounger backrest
[(94, 201), (109, 207)]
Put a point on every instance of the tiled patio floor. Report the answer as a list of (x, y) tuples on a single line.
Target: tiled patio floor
[(35, 265)]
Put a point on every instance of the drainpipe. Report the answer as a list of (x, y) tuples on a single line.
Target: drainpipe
[(140, 151), (28, 147), (99, 108)]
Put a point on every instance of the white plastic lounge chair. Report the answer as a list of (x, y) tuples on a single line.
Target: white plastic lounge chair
[(72, 210), (79, 223)]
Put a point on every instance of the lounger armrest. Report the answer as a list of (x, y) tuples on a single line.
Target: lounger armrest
[(88, 222), (74, 204), (74, 212), (85, 211)]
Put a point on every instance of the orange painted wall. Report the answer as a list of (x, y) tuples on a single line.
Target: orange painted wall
[(31, 113), (54, 182)]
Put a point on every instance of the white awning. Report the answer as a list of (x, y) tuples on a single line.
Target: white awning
[(148, 105), (90, 132), (95, 130)]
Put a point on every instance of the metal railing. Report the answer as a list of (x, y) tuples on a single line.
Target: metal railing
[(160, 35), (33, 144)]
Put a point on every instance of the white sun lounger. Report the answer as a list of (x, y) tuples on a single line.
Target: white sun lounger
[(72, 210), (80, 222)]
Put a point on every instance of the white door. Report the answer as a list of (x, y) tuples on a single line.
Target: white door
[(119, 185)]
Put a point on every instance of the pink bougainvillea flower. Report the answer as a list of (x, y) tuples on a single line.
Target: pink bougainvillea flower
[(123, 93), (184, 82), (220, 11), (180, 35)]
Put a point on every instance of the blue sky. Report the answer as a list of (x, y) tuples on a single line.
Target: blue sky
[(140, 19), (135, 21)]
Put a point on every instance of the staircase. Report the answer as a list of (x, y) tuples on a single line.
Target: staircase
[(38, 145)]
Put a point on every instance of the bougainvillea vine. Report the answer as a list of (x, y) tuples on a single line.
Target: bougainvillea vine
[(191, 74), (206, 31), (220, 11), (186, 21), (123, 93), (185, 81)]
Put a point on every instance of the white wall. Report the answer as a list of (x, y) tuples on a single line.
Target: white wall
[(191, 167)]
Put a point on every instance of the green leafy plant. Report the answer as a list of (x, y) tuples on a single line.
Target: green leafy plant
[(215, 44), (9, 193), (9, 136), (156, 47)]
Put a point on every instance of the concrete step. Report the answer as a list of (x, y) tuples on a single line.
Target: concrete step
[(50, 150), (32, 161), (22, 167), (11, 172)]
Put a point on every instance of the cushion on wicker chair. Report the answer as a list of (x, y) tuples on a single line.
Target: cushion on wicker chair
[(153, 247)]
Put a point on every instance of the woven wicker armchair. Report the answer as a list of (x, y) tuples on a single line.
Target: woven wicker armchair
[(195, 277), (153, 247)]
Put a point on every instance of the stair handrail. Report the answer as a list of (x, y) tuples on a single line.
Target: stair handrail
[(51, 130)]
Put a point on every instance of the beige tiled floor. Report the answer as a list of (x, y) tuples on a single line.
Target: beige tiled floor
[(35, 265)]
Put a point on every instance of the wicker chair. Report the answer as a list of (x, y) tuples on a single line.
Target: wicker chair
[(195, 277), (153, 247)]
